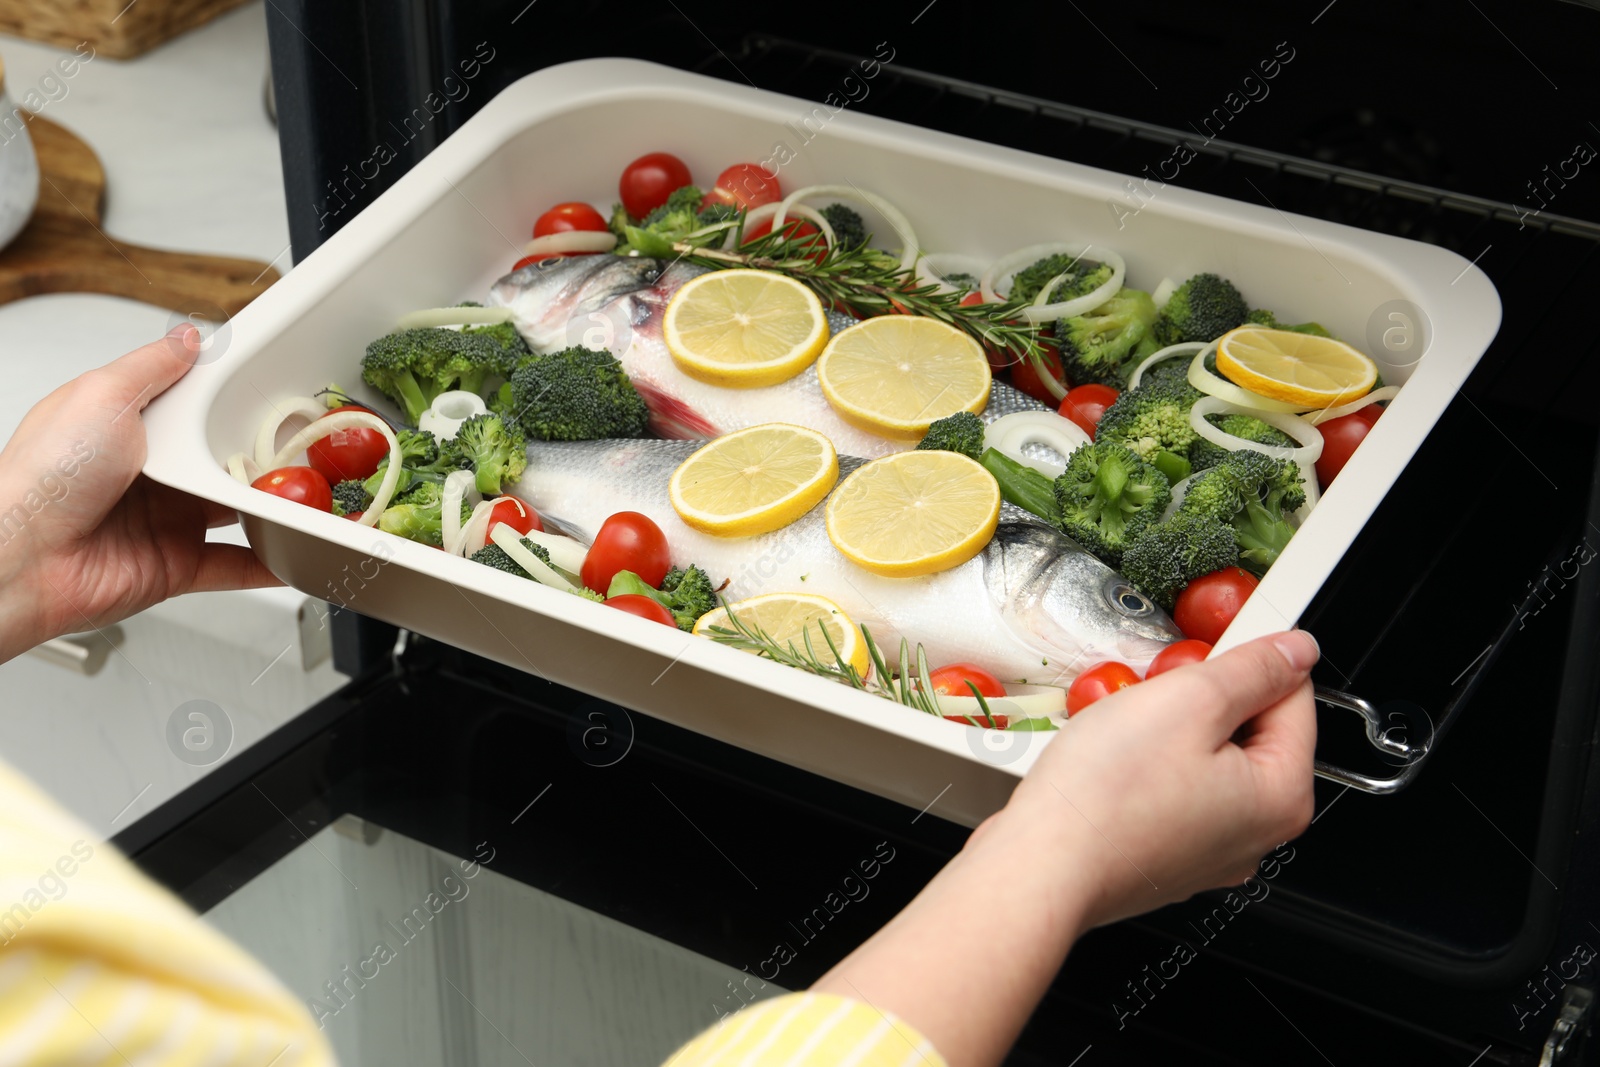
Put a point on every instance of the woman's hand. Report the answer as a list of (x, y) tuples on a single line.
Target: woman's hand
[(85, 539), (1180, 783), (1174, 785)]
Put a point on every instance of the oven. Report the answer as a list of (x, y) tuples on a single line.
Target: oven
[(636, 878)]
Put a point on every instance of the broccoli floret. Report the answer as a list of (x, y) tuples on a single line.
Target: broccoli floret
[(1102, 345), (1201, 309), (496, 452), (718, 211), (1204, 454), (492, 555), (1263, 317), (350, 497), (1152, 417), (502, 403), (1107, 496), (1169, 555), (422, 459), (682, 204), (849, 229), (576, 394), (619, 222), (588, 594), (961, 432), (413, 367), (1083, 276), (419, 449), (1253, 494), (685, 591), (506, 336), (502, 333), (419, 515), (673, 221)]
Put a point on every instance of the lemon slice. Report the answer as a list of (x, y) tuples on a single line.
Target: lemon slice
[(788, 617), (914, 513), (754, 481), (1298, 368), (744, 328), (894, 374)]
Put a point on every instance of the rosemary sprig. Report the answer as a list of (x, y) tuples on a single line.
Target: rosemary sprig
[(868, 282), (750, 637)]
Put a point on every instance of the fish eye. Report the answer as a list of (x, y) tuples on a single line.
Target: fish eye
[(1129, 600)]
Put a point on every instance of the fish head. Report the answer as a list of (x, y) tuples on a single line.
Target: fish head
[(1058, 598), (576, 300)]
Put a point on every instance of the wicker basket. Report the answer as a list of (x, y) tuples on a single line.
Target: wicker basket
[(115, 28)]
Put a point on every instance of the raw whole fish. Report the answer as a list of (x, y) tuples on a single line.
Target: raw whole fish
[(617, 302), (1031, 606)]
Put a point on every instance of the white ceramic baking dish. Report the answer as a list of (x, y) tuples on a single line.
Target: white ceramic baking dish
[(451, 226)]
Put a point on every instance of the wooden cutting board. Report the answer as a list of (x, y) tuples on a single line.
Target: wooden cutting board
[(65, 249)]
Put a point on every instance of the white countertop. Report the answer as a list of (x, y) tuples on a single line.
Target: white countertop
[(191, 161)]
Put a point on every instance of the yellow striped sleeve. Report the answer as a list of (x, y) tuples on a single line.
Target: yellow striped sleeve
[(808, 1030), (98, 965)]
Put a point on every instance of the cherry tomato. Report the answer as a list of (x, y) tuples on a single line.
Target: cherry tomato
[(1340, 437), (642, 606), (649, 180), (303, 485), (1084, 404), (1208, 604), (1098, 681), (1178, 654), (564, 218), (1024, 377), (347, 454), (354, 516), (627, 541), (951, 680), (515, 514), (744, 185), (981, 721), (972, 299)]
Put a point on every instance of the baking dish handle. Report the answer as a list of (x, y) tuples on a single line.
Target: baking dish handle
[(1379, 735)]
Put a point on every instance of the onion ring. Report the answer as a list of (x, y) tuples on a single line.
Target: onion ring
[(448, 411), (570, 241), (1008, 434), (1002, 270), (350, 420), (1179, 349), (267, 436), (510, 541), (461, 316), (1203, 379), (891, 214), (1388, 392), (770, 211), (1305, 456)]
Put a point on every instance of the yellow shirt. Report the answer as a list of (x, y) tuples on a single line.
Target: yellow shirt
[(100, 965)]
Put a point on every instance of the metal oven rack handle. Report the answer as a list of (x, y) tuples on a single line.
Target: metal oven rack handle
[(1412, 756)]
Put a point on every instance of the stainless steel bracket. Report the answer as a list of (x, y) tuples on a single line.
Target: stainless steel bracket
[(1388, 738)]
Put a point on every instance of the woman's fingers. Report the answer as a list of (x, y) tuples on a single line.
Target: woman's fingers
[(1227, 690), (223, 566), (149, 370)]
